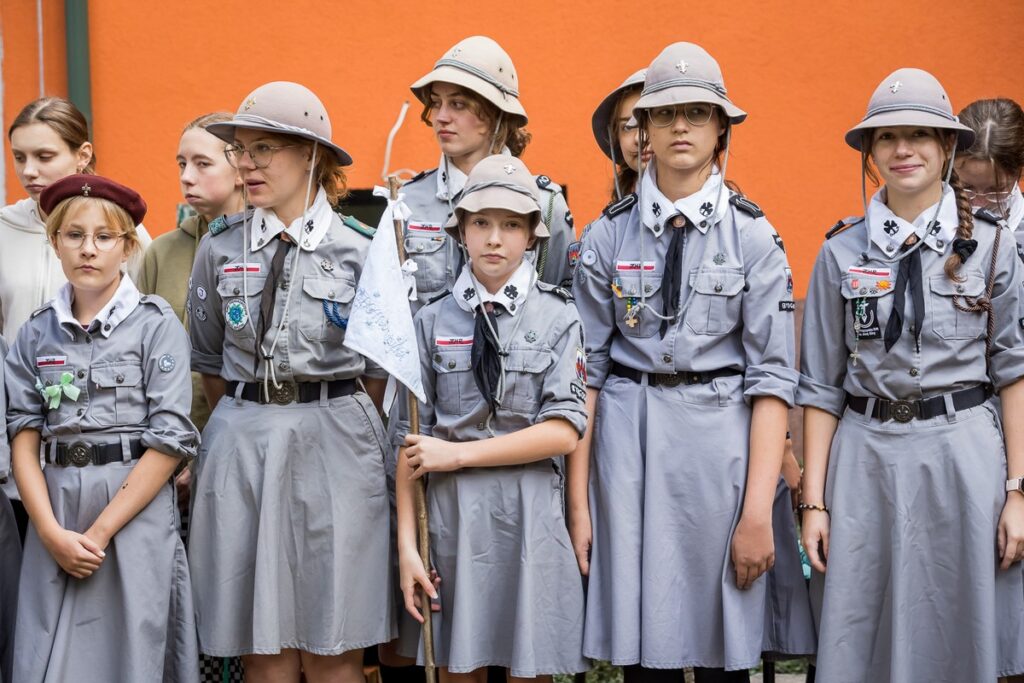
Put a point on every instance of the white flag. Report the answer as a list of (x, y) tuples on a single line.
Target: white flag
[(380, 320)]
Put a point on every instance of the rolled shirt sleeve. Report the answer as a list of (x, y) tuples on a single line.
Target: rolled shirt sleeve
[(1006, 364), (168, 383), (24, 402), (563, 394), (207, 333), (594, 298), (823, 355)]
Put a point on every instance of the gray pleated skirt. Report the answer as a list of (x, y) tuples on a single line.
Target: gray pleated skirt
[(511, 592), (667, 483), (133, 619), (289, 541), (913, 590), (10, 566)]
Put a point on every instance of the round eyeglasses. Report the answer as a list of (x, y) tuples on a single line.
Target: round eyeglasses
[(103, 241), (261, 153), (696, 113)]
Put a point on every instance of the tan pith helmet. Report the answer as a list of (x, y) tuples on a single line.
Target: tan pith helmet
[(683, 73), (284, 108), (601, 121), (500, 181), (910, 97), (480, 65)]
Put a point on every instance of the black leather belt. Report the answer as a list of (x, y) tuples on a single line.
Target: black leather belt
[(293, 392), (81, 453), (922, 409), (671, 379)]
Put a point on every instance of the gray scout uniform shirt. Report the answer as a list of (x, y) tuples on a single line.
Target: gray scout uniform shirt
[(5, 445), (736, 300), (315, 292), (432, 196), (545, 367), (132, 383), (850, 300)]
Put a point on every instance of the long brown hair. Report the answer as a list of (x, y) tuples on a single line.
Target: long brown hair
[(625, 177), (999, 128), (63, 117), (965, 218), (510, 133)]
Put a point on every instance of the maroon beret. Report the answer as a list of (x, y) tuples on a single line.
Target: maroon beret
[(81, 185)]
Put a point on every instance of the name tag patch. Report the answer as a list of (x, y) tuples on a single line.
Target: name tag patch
[(51, 361), (627, 266), (425, 228), (870, 272), (235, 268), (453, 342)]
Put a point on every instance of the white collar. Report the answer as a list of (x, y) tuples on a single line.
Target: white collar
[(125, 300), (1015, 203), (450, 180), (469, 294), (266, 225), (889, 231), (704, 208)]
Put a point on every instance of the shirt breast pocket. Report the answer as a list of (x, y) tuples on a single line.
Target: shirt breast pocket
[(66, 410), (948, 321), (630, 318), (241, 303), (870, 305), (325, 307), (456, 391), (715, 300), (120, 394), (431, 259), (524, 379)]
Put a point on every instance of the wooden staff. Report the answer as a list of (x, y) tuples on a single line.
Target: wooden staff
[(423, 530)]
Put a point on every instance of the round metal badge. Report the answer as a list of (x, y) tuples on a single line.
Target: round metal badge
[(201, 292), (236, 314), (166, 363)]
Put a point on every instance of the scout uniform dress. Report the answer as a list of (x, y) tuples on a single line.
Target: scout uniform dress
[(511, 593), (913, 591), (105, 394), (671, 432), (431, 197), (289, 545), (10, 550)]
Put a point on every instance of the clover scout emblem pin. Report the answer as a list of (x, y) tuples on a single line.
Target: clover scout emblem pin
[(891, 227), (511, 291), (936, 227), (706, 208), (656, 208), (468, 294)]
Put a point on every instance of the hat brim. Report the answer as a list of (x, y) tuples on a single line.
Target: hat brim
[(685, 94), (497, 198), (464, 79), (225, 130), (908, 117)]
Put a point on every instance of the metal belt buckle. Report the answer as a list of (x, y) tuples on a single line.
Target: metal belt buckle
[(79, 454), (284, 394), (667, 380), (902, 411)]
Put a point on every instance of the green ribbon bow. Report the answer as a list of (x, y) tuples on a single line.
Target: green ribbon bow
[(53, 392)]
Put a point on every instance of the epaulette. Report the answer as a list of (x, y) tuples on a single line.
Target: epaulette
[(555, 289), (437, 297), (546, 183), (842, 224), (222, 223), (624, 204), (741, 202), (419, 176), (360, 227), (988, 215), (48, 304), (159, 302)]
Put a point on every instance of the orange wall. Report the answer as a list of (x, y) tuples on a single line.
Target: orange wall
[(802, 69)]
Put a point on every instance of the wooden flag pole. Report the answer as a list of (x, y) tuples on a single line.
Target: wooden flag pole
[(423, 530)]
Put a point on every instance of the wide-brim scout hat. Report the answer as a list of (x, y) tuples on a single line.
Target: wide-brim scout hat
[(82, 185), (284, 108), (601, 121), (683, 73), (478, 64), (910, 97), (501, 181)]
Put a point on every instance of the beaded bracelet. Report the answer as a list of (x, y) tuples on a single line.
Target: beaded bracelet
[(820, 508)]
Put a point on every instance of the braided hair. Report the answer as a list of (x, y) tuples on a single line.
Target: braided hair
[(964, 228)]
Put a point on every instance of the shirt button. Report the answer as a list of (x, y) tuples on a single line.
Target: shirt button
[(81, 374), (419, 247), (914, 372), (451, 365), (88, 340), (703, 224), (80, 412), (480, 426), (330, 294), (119, 379), (237, 291), (283, 365), (284, 284), (960, 289), (648, 288), (437, 357), (106, 328), (718, 287), (666, 358)]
